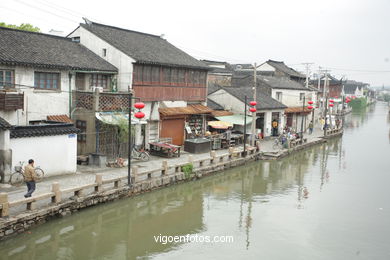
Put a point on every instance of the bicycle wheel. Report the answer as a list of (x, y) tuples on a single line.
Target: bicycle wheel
[(144, 156), (39, 173), (16, 177)]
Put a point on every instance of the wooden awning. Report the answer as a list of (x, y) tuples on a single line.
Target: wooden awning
[(297, 110), (188, 110), (60, 118), (216, 113)]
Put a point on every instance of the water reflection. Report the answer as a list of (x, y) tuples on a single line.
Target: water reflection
[(125, 229)]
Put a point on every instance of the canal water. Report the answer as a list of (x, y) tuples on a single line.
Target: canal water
[(329, 202)]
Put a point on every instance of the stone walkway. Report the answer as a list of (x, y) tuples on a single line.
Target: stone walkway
[(86, 174)]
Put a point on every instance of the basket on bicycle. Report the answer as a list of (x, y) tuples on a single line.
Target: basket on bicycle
[(18, 168)]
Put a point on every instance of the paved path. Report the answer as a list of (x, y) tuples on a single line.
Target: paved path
[(86, 174)]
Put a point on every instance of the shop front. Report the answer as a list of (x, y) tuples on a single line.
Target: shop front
[(181, 123)]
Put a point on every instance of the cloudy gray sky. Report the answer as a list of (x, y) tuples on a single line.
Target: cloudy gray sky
[(350, 37)]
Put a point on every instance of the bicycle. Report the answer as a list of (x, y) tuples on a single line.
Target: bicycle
[(140, 154), (18, 175), (276, 143)]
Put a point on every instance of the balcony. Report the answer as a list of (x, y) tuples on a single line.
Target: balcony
[(103, 101), (11, 101)]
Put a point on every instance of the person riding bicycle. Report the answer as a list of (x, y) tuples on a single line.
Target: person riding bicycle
[(30, 177)]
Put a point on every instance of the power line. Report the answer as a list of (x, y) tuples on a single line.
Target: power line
[(360, 70), (29, 15), (46, 11)]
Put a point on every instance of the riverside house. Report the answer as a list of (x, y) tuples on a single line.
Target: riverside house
[(171, 83), (37, 76)]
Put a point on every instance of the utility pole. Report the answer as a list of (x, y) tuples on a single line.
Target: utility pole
[(326, 110), (325, 91), (342, 114), (130, 143), (307, 65), (254, 99), (303, 110), (244, 153), (319, 88)]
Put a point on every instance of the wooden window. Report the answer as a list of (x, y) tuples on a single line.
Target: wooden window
[(279, 96), (7, 78), (167, 75), (147, 74), (137, 73), (203, 78), (181, 76), (155, 74), (196, 77), (99, 80), (47, 80), (174, 76), (82, 125), (191, 77)]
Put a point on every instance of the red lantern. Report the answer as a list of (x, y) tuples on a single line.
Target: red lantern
[(331, 105), (139, 105), (139, 115), (347, 101), (310, 107), (310, 102), (331, 100), (253, 103), (252, 109)]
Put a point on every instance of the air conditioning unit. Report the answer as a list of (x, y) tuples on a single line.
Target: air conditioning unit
[(95, 88)]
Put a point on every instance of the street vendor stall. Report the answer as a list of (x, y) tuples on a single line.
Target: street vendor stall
[(197, 145), (164, 149)]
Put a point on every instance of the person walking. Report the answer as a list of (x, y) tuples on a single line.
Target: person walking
[(311, 127), (275, 127), (30, 178)]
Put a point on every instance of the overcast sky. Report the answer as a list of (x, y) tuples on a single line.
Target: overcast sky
[(350, 37)]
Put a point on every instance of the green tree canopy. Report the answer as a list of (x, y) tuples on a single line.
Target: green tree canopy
[(23, 27)]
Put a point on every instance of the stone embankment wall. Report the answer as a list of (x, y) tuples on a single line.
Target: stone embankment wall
[(12, 225)]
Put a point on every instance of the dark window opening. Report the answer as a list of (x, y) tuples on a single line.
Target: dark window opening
[(47, 80)]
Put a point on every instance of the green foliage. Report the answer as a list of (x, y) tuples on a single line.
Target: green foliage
[(23, 27), (187, 169), (386, 97), (358, 103), (124, 130)]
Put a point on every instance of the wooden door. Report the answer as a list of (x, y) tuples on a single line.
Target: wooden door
[(173, 128), (80, 81)]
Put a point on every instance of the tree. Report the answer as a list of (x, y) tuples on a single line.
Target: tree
[(23, 27)]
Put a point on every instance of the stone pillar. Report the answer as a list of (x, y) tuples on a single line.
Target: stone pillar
[(99, 182), (5, 155), (55, 188), (137, 134), (164, 167), (4, 203)]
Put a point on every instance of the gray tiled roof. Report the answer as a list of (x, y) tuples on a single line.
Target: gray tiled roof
[(212, 87), (47, 51), (263, 101), (350, 89), (43, 130), (279, 65), (211, 104), (281, 83), (351, 85), (144, 48), (4, 125)]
